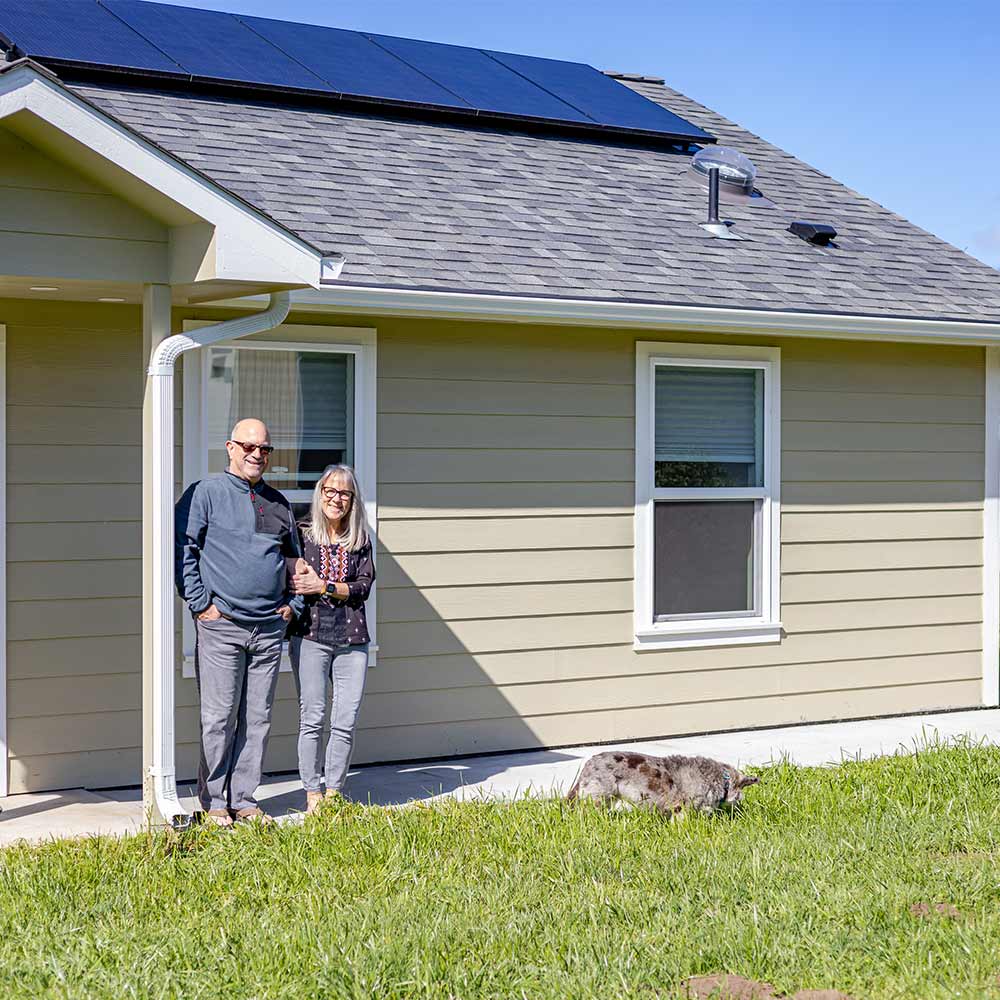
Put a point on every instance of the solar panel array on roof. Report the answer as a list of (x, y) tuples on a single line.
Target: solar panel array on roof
[(212, 46)]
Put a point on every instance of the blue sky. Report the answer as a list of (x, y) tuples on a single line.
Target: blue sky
[(895, 98)]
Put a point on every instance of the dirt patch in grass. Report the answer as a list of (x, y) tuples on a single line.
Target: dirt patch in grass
[(940, 909), (724, 987), (729, 987)]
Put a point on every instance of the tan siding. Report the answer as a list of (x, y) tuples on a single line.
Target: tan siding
[(454, 569), (818, 650), (483, 534), (482, 736), (505, 534), (501, 431), (862, 436), (505, 466), (51, 581), (567, 696), (848, 556), (500, 498), (53, 225), (870, 526), (517, 399), (74, 547), (506, 582), (880, 407)]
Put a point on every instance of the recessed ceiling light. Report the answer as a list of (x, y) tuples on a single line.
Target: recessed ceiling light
[(110, 300), (44, 288)]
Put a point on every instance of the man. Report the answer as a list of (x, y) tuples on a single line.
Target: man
[(233, 536)]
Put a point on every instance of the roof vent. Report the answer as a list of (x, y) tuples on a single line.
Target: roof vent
[(817, 233), (730, 170)]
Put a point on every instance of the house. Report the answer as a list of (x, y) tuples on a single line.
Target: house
[(631, 477)]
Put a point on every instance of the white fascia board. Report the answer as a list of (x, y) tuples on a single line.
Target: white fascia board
[(249, 247), (641, 316)]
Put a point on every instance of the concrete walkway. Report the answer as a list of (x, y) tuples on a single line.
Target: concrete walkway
[(79, 813)]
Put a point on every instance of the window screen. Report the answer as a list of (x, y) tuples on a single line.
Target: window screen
[(703, 557)]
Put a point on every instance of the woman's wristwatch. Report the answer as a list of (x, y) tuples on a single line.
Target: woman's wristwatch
[(330, 590)]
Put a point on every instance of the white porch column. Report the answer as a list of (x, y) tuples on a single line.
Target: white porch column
[(156, 322)]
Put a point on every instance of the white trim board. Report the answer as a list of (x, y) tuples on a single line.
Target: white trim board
[(764, 626), (991, 533), (361, 343), (365, 301), (4, 749)]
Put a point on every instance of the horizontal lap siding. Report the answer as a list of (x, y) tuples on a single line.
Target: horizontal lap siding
[(505, 547), (56, 224), (505, 563), (74, 543)]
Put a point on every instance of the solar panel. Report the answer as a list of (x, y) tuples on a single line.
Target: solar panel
[(482, 82), (81, 31), (598, 96), (211, 44), (352, 63), (161, 38)]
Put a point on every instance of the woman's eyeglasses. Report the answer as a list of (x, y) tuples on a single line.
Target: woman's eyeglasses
[(329, 493), (249, 449)]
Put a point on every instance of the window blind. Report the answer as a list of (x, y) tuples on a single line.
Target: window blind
[(708, 414), (323, 379)]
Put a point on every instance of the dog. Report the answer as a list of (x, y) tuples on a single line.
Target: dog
[(666, 784)]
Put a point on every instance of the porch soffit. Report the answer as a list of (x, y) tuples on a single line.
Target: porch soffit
[(216, 244)]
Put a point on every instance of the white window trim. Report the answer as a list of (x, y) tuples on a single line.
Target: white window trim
[(728, 630), (360, 343)]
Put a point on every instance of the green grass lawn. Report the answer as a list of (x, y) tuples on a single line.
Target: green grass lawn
[(810, 885)]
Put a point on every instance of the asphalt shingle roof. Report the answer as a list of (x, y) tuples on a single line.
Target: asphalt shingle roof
[(431, 205)]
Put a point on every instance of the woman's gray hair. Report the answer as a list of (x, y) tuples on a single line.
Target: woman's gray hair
[(319, 530)]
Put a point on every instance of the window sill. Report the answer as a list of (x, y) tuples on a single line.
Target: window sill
[(722, 632)]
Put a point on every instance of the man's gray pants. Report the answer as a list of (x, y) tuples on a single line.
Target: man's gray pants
[(237, 671)]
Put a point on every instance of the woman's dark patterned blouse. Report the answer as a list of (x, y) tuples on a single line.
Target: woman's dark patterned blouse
[(330, 620)]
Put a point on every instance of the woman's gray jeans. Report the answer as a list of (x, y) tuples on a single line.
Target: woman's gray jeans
[(315, 667)]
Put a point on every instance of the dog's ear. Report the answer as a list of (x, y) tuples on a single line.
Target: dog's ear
[(748, 779)]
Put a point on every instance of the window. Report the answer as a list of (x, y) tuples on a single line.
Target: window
[(306, 398), (318, 400), (707, 504)]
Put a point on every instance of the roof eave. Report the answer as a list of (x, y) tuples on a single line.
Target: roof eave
[(423, 303)]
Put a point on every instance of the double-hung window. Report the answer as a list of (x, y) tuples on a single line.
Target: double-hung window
[(707, 495)]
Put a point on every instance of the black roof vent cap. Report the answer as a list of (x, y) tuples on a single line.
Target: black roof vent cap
[(817, 233)]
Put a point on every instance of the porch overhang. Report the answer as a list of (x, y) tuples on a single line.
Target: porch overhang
[(217, 245)]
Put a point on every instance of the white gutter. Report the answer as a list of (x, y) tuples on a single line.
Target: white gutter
[(161, 373), (473, 306)]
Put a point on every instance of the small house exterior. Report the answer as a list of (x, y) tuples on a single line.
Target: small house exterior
[(628, 480)]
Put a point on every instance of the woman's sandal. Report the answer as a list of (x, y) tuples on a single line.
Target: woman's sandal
[(254, 814), (219, 817)]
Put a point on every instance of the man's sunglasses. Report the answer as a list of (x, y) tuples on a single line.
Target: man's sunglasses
[(249, 449)]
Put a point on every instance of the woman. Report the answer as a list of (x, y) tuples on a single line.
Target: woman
[(336, 578)]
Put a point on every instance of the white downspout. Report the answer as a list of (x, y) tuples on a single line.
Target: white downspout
[(161, 371)]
